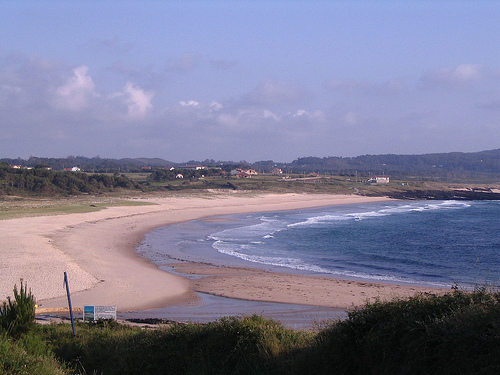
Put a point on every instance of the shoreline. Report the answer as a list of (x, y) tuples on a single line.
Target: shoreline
[(98, 250)]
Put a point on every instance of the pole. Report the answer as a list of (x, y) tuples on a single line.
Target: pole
[(69, 303)]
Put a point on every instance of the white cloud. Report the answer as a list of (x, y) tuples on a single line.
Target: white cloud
[(138, 101), (216, 106), (75, 93), (33, 91), (462, 74), (189, 103), (300, 112), (269, 114)]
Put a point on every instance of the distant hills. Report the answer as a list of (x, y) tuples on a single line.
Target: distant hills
[(449, 166), (453, 165)]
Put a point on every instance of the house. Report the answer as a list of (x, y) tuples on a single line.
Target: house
[(193, 167), (276, 171), (379, 180), (73, 169), (179, 175), (250, 172)]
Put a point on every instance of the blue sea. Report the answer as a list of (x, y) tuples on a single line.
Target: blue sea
[(430, 243)]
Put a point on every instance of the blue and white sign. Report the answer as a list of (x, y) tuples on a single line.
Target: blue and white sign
[(93, 313)]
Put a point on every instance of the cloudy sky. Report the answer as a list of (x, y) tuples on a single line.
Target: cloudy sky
[(248, 80)]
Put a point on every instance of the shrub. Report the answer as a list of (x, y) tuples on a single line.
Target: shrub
[(249, 345), (456, 333), (18, 316), (29, 355)]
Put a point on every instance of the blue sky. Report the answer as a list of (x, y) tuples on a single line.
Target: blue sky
[(248, 80)]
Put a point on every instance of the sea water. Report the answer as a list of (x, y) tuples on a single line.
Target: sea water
[(431, 243)]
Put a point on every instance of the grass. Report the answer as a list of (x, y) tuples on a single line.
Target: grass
[(456, 333), (32, 207)]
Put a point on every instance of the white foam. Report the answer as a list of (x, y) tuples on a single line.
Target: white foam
[(299, 265)]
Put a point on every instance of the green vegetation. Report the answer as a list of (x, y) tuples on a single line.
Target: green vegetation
[(43, 181), (481, 166), (434, 176), (29, 208), (457, 333), (18, 316)]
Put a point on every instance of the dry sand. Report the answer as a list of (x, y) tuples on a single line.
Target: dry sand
[(97, 250)]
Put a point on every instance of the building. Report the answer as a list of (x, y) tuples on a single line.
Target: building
[(276, 171), (192, 167), (250, 172), (379, 180), (73, 169)]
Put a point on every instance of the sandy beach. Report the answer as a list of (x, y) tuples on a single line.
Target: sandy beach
[(97, 250)]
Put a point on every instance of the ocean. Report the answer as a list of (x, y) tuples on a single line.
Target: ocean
[(428, 243)]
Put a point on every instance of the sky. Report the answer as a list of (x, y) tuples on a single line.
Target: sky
[(248, 80)]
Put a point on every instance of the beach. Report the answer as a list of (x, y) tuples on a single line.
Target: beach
[(98, 252)]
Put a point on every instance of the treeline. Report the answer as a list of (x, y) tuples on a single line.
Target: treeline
[(448, 166), (92, 165), (42, 181), (453, 165)]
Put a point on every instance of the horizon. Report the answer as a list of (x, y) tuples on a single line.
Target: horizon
[(242, 160), (248, 80)]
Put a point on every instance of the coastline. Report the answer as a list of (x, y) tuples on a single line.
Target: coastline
[(98, 251)]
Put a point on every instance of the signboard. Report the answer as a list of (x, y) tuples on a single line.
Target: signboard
[(93, 313)]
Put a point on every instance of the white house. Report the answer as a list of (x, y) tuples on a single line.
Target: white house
[(73, 169), (192, 167), (379, 180)]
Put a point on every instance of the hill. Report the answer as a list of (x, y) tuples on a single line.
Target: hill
[(453, 166)]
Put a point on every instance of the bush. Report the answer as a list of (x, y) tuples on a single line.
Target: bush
[(249, 345), (18, 316), (456, 333), (29, 355)]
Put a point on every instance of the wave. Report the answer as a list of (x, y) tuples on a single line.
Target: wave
[(300, 265), (381, 212), (395, 244)]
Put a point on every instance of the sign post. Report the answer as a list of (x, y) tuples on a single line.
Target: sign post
[(69, 303)]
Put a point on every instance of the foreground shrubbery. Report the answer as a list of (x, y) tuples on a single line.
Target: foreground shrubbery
[(250, 345), (17, 316), (458, 333)]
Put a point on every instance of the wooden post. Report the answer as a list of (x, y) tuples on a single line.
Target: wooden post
[(69, 303)]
